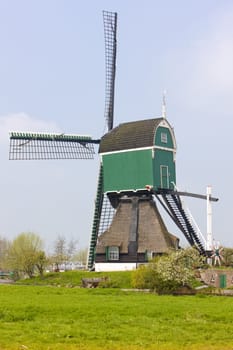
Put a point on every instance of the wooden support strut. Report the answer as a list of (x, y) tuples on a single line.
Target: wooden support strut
[(195, 195), (187, 194)]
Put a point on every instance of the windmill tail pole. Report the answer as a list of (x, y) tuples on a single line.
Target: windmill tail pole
[(209, 238)]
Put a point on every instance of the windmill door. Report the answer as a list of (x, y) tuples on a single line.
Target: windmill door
[(164, 177)]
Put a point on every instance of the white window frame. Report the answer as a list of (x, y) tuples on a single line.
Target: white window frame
[(163, 137), (149, 255), (162, 178), (113, 253)]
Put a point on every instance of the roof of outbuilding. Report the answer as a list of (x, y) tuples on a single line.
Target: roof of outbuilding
[(130, 135)]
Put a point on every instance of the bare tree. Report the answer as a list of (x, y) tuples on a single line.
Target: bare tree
[(81, 256), (63, 252), (71, 249), (60, 253)]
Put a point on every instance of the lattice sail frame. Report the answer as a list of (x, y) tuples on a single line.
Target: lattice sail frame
[(42, 146), (107, 214), (110, 33)]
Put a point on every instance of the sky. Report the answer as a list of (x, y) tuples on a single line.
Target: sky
[(52, 79)]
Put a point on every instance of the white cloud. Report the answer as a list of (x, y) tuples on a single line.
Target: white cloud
[(24, 122)]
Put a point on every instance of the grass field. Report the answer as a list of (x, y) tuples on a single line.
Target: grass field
[(117, 279), (42, 317)]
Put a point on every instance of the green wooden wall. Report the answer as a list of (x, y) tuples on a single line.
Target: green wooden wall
[(158, 142), (133, 170), (161, 160), (127, 170)]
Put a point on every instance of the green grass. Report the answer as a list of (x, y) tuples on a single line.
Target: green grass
[(116, 279), (52, 318)]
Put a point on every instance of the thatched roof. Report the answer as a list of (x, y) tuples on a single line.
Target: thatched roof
[(152, 234), (130, 135)]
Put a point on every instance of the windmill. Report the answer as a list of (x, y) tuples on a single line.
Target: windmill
[(137, 171)]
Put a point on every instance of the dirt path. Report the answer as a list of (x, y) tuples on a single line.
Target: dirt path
[(5, 281)]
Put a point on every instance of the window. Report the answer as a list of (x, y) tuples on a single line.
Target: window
[(212, 280), (149, 255), (163, 137), (113, 253)]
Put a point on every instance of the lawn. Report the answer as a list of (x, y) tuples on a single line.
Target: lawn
[(49, 318), (116, 279)]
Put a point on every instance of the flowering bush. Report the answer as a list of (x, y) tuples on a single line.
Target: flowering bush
[(168, 272)]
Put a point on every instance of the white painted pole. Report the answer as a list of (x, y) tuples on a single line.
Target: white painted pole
[(164, 112), (209, 238)]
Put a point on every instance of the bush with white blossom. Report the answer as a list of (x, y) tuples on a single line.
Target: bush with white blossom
[(167, 273)]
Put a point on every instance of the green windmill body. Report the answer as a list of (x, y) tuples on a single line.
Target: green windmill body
[(136, 157), (137, 154), (137, 171)]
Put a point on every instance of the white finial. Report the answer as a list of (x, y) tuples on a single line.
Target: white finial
[(164, 114)]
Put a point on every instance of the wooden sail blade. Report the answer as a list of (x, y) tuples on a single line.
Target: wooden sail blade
[(36, 146)]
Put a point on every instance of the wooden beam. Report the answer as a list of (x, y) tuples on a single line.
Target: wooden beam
[(195, 195)]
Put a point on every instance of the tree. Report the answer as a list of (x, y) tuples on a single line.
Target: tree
[(41, 262), (71, 249), (4, 244), (81, 256), (59, 256), (23, 253), (63, 252), (168, 272), (227, 254)]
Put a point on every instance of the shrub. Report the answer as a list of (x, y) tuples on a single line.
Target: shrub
[(144, 277), (168, 272)]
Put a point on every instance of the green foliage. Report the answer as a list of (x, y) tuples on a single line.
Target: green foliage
[(144, 277), (227, 254), (24, 253), (40, 262), (4, 244), (168, 272), (109, 319)]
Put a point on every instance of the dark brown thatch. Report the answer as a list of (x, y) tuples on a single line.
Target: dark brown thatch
[(152, 234), (130, 136)]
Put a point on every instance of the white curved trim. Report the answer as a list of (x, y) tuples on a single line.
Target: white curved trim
[(164, 123)]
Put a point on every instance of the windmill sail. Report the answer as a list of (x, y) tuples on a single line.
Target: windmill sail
[(103, 215), (104, 211), (110, 32), (36, 146)]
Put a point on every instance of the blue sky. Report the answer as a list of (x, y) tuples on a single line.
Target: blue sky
[(53, 78)]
